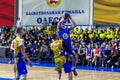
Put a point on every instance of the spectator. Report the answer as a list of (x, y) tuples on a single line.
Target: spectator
[(88, 53), (45, 23), (81, 53), (54, 24), (28, 48), (48, 40), (34, 38), (76, 47), (103, 48), (97, 54), (43, 51)]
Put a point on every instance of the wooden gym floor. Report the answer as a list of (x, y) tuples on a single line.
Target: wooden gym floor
[(44, 73)]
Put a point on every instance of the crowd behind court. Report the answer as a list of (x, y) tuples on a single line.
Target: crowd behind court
[(95, 47)]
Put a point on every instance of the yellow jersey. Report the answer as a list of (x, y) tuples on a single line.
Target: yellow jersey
[(109, 36), (81, 35), (57, 48), (17, 42), (90, 35), (102, 35)]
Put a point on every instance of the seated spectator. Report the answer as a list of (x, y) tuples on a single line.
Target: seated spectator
[(119, 47), (118, 54), (48, 40), (81, 53), (33, 48), (103, 48), (76, 47), (28, 48), (109, 36), (102, 35), (43, 51), (88, 53), (38, 45), (115, 56), (112, 47), (97, 54)]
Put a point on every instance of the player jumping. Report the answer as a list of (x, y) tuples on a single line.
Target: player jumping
[(64, 34)]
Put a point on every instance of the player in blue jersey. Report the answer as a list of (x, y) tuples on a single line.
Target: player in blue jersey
[(64, 33)]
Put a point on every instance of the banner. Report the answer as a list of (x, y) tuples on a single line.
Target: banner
[(106, 11), (6, 12), (34, 11)]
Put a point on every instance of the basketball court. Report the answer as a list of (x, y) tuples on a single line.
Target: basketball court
[(48, 73), (31, 13)]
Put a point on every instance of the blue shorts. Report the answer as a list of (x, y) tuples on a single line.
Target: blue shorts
[(67, 67), (20, 65), (68, 48)]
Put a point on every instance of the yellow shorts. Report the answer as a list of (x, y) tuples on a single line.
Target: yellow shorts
[(59, 62)]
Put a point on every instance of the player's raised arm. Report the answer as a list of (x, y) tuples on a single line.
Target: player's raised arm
[(59, 25), (73, 23)]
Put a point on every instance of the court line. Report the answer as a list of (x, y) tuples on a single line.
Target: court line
[(5, 79), (47, 65)]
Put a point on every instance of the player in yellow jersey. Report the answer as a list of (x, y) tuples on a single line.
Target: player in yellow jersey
[(59, 57), (20, 56)]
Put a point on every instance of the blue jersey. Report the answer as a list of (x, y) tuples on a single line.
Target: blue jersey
[(89, 51), (64, 33), (103, 48)]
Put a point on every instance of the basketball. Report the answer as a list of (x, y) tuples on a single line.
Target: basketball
[(65, 15)]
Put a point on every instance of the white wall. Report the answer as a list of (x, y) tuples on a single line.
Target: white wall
[(20, 9)]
